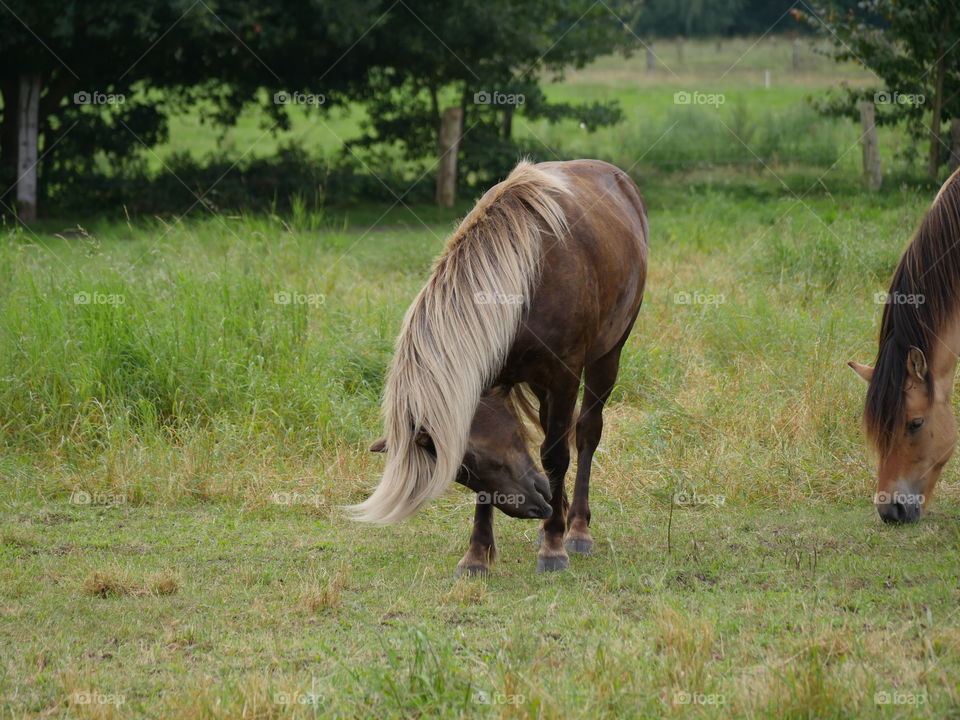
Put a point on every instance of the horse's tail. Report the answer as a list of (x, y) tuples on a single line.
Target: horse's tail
[(456, 336)]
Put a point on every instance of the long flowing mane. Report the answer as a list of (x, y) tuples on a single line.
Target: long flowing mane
[(456, 335), (930, 271)]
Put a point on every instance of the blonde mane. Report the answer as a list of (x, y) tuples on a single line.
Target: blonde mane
[(456, 335)]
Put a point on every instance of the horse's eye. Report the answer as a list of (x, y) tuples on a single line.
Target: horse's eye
[(914, 425)]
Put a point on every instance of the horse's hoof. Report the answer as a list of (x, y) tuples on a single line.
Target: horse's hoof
[(552, 564), (471, 571), (583, 547)]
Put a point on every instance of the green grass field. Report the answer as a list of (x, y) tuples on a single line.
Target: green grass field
[(186, 406)]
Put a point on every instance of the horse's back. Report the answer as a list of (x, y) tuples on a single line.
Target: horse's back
[(592, 281)]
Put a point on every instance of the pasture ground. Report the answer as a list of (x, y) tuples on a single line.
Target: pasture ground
[(184, 407)]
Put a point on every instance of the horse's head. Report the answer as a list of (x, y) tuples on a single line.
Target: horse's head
[(497, 464), (912, 457)]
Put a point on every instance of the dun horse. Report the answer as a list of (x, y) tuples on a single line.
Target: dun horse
[(908, 415), (539, 286)]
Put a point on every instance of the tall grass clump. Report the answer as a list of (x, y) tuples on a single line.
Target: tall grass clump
[(184, 328)]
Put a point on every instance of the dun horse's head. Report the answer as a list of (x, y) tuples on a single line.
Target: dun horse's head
[(910, 421), (497, 464)]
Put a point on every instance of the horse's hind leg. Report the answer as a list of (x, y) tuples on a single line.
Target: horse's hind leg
[(556, 410), (598, 379), (483, 549)]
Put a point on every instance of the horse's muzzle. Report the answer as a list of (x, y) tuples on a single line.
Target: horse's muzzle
[(899, 512)]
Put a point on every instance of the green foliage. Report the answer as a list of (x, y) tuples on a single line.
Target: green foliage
[(399, 61), (911, 47)]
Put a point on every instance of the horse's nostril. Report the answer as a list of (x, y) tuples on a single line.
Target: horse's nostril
[(891, 512)]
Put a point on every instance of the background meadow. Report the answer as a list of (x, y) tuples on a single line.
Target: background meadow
[(186, 402)]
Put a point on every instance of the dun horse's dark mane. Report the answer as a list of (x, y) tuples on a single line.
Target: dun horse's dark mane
[(930, 272)]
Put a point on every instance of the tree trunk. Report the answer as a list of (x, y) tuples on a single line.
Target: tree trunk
[(954, 145), (27, 146), (450, 131), (871, 149), (507, 122)]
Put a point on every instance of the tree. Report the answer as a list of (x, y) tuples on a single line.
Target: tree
[(913, 49), (108, 75), (401, 60), (692, 18), (70, 68), (489, 59)]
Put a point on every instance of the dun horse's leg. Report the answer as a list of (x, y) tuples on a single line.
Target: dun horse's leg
[(555, 456), (599, 378), (483, 549)]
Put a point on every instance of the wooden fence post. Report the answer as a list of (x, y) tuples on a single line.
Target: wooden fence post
[(651, 58), (450, 129), (871, 149)]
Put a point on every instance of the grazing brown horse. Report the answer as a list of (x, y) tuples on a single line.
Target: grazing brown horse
[(908, 415), (539, 285)]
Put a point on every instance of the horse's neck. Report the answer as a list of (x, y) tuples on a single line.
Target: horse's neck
[(945, 351)]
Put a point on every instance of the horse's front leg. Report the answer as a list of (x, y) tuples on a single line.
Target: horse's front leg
[(483, 549), (555, 456), (599, 378)]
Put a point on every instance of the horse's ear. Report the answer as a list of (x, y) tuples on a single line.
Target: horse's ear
[(917, 364), (864, 371), (380, 446)]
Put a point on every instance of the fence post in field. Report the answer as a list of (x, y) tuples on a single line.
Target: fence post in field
[(680, 50), (450, 129), (651, 58), (871, 149), (27, 142), (796, 55), (954, 144)]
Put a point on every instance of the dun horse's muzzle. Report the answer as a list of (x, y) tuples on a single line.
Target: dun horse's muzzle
[(899, 511)]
